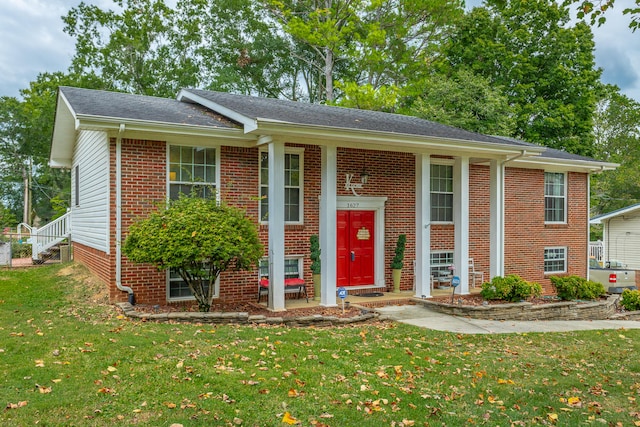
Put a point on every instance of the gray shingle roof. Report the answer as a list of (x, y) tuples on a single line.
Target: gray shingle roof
[(119, 105), (339, 117), (551, 153)]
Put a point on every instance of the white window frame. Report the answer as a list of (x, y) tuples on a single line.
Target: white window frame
[(448, 163), (441, 266), (299, 151), (560, 254), (213, 184), (553, 196), (169, 279), (298, 258)]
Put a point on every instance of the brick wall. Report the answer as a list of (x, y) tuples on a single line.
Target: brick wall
[(98, 262), (526, 234), (395, 180), (144, 178), (144, 186)]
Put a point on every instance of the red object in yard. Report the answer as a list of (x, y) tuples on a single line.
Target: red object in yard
[(613, 278)]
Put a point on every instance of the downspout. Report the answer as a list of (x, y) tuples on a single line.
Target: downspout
[(119, 216)]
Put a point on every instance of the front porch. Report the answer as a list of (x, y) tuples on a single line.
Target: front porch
[(386, 298)]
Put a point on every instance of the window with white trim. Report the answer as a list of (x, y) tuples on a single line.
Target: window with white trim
[(555, 197), (292, 268), (440, 262), (293, 185), (555, 260), (441, 193), (191, 169)]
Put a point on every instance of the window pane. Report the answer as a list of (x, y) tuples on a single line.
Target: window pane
[(554, 202), (292, 191), (174, 154), (199, 156), (178, 288), (292, 204), (554, 260), (264, 203), (441, 193)]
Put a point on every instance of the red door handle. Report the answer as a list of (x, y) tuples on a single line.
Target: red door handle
[(353, 256)]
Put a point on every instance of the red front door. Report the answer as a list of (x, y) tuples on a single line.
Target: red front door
[(355, 248)]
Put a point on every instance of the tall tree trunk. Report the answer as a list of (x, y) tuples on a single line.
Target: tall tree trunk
[(328, 73)]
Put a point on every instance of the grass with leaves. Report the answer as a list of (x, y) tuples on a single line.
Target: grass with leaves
[(68, 358)]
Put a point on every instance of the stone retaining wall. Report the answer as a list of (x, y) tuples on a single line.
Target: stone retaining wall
[(315, 320), (564, 310)]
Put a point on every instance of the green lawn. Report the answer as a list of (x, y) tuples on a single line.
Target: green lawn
[(66, 358)]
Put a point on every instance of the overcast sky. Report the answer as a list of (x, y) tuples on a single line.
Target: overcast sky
[(32, 42)]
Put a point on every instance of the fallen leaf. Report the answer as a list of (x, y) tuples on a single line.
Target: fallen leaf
[(16, 405), (288, 419), (43, 389), (111, 369), (574, 401)]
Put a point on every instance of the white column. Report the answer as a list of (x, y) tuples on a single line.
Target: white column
[(496, 228), (276, 226), (328, 226), (461, 222), (423, 226)]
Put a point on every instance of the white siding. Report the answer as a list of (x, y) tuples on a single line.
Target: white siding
[(90, 211), (622, 239)]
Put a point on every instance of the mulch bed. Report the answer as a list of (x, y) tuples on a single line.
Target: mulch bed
[(254, 310)]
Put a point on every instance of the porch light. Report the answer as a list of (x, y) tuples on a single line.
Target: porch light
[(364, 176)]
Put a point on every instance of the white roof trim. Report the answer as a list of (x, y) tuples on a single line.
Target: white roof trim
[(249, 124), (598, 219)]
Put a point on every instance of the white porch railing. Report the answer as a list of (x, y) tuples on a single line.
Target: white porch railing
[(49, 235), (596, 250)]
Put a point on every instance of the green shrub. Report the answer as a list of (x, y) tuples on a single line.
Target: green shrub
[(630, 300), (20, 249), (510, 288), (575, 287)]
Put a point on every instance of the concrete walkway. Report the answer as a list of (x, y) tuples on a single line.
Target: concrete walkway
[(423, 317)]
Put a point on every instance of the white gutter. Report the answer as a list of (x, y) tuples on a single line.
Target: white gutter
[(510, 159), (119, 215)]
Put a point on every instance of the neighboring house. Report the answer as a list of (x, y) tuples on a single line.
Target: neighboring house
[(357, 178), (621, 237)]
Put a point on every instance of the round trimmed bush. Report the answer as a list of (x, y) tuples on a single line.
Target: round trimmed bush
[(510, 288)]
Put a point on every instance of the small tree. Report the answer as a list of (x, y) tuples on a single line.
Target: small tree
[(396, 263), (199, 239), (314, 243)]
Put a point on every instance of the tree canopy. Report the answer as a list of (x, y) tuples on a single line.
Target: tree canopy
[(544, 66)]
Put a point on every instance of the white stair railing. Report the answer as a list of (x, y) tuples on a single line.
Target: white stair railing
[(596, 250), (49, 235)]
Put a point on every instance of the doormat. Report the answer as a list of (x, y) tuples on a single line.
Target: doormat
[(370, 294)]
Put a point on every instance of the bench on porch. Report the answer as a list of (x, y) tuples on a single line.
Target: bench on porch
[(293, 284)]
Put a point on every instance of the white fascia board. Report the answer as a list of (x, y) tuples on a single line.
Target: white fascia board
[(160, 128), (64, 134), (388, 141), (248, 123), (598, 219), (564, 165)]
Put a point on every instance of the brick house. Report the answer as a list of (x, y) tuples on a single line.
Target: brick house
[(356, 178)]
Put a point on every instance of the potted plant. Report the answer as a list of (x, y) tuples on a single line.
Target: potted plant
[(396, 264), (314, 243)]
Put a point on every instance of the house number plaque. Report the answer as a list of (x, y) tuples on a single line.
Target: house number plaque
[(363, 234)]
